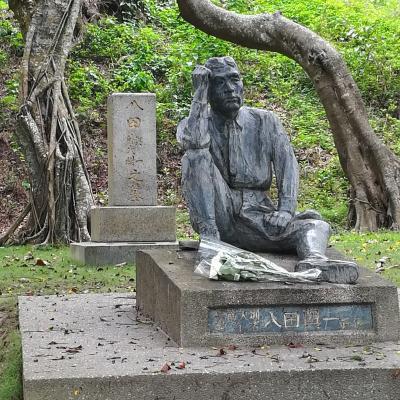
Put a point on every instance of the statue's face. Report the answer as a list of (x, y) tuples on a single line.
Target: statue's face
[(226, 91)]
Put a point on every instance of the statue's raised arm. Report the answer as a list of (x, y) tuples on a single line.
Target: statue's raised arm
[(193, 131)]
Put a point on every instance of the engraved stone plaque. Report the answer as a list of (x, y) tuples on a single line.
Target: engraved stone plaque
[(316, 318), (132, 174)]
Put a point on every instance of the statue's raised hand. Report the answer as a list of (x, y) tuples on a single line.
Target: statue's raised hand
[(200, 79), (193, 132)]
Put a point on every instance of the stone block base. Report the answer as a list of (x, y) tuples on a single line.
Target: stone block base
[(93, 253), (195, 311), (92, 347), (133, 224)]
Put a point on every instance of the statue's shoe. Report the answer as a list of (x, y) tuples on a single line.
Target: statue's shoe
[(334, 271)]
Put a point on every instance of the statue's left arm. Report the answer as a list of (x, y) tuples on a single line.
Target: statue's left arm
[(286, 171), (286, 168)]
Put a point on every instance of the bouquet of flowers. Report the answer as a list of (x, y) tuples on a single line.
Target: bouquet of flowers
[(221, 261)]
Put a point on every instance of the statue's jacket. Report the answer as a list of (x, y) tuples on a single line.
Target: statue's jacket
[(247, 151)]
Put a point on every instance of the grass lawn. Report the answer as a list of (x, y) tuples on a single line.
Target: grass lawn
[(29, 271), (26, 270), (379, 251), (10, 351)]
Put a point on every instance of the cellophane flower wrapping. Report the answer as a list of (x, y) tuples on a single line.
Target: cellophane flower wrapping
[(222, 261)]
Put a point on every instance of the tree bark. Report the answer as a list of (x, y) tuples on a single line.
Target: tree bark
[(47, 131), (372, 169)]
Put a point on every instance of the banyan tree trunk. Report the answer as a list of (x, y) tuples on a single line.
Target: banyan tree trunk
[(47, 131), (371, 168)]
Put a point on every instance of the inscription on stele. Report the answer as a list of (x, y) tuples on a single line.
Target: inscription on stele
[(133, 162)]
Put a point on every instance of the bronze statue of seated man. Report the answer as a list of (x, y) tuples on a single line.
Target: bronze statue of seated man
[(231, 154)]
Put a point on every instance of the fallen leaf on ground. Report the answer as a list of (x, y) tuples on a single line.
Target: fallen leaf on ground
[(396, 373), (275, 358), (181, 365), (166, 367), (292, 345), (76, 349)]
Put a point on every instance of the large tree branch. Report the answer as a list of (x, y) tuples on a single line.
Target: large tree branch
[(262, 31), (227, 25)]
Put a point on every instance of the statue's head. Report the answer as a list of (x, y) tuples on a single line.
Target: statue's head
[(225, 92)]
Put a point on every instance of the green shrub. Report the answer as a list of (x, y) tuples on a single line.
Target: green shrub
[(10, 100), (3, 58), (325, 190), (136, 72), (108, 39), (10, 36), (87, 85)]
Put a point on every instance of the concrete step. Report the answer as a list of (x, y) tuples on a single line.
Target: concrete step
[(97, 253), (93, 347)]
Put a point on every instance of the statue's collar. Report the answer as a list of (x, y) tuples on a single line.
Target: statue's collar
[(220, 121)]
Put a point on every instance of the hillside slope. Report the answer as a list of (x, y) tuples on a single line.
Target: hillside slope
[(156, 51)]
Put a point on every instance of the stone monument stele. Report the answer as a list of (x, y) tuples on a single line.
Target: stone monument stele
[(132, 220)]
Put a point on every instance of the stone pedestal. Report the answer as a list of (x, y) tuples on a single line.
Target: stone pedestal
[(195, 311), (135, 224), (132, 220)]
